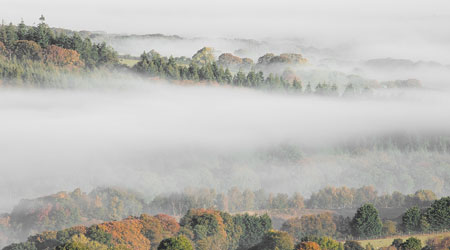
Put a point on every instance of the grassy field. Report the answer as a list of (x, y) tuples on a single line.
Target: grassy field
[(129, 62), (377, 243)]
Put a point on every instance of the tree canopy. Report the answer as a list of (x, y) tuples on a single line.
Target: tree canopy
[(366, 221)]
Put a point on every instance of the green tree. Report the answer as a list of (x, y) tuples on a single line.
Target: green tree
[(260, 78), (239, 79), (411, 220), (438, 214), (366, 222), (251, 79), (96, 233), (206, 73), (228, 78), (175, 243), (73, 245), (21, 246), (207, 227), (275, 240), (397, 243), (11, 34), (22, 31), (193, 72), (411, 244), (424, 224), (106, 55), (27, 50), (253, 229), (42, 34), (3, 34)]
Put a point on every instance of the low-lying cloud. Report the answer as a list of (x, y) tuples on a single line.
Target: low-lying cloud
[(158, 137)]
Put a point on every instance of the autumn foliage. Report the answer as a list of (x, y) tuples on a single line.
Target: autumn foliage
[(62, 57), (307, 245), (127, 233), (319, 225)]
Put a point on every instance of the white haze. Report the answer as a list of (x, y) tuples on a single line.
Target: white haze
[(410, 29), (159, 138)]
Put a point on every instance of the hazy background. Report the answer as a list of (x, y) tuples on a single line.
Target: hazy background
[(416, 30)]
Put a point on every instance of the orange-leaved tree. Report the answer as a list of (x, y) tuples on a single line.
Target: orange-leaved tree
[(62, 57), (307, 245)]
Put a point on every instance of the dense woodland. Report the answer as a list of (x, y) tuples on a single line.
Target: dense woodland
[(213, 229), (39, 56), (204, 68), (421, 212)]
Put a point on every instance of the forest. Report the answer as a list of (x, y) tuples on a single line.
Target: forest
[(229, 223), (224, 149), (44, 57), (202, 226)]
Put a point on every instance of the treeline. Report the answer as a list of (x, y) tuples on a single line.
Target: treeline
[(199, 228), (344, 197), (435, 217), (366, 222), (37, 54), (152, 64), (64, 209), (236, 200), (205, 229), (204, 68), (404, 142)]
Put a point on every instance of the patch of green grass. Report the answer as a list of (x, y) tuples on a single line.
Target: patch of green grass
[(377, 243), (129, 62)]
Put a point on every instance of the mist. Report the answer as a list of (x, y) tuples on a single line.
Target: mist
[(156, 137), (412, 30)]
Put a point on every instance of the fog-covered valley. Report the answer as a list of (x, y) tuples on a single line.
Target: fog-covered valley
[(237, 125), (156, 138)]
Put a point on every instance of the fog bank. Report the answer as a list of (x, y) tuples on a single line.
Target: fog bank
[(157, 138)]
